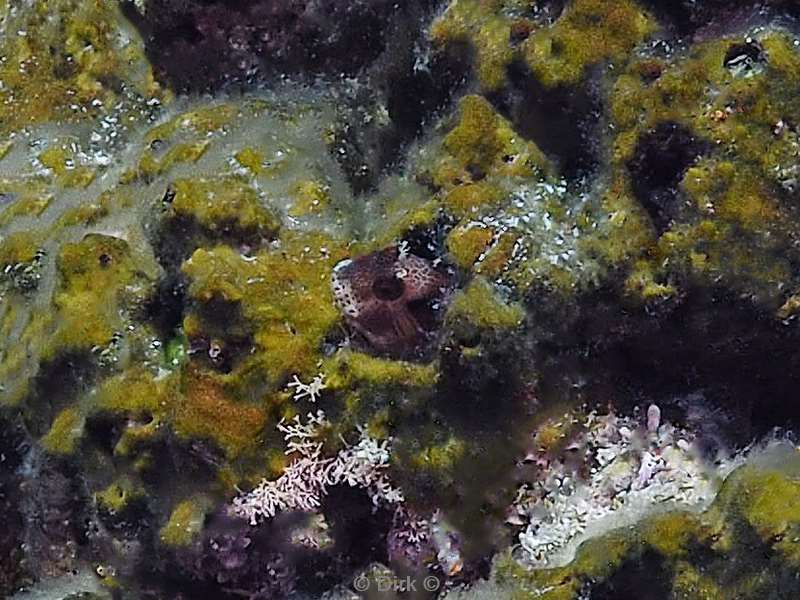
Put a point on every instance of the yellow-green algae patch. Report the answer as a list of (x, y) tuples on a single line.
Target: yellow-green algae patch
[(19, 247), (26, 205), (480, 305), (513, 219), (194, 403), (185, 522), (480, 23), (220, 204), (99, 277), (745, 116), (119, 495), (200, 121), (367, 387), (136, 393), (484, 143), (348, 369), (501, 31), (736, 220), (467, 243), (65, 167), (283, 294), (588, 32), (440, 457), (151, 166), (309, 197), (769, 502), (65, 432), (66, 60), (251, 159), (86, 213), (99, 283)]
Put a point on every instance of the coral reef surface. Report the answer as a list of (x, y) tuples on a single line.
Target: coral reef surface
[(461, 299)]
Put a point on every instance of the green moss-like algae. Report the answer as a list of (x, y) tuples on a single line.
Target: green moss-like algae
[(284, 296), (65, 59), (589, 31), (501, 31), (185, 522), (98, 277)]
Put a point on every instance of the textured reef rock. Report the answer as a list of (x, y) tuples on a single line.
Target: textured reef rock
[(497, 298), (197, 43)]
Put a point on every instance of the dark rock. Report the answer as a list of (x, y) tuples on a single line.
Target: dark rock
[(197, 44), (661, 158)]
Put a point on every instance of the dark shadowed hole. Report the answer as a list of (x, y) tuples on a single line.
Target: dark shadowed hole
[(165, 308), (745, 56), (415, 95), (693, 18), (750, 50), (558, 120), (428, 241), (388, 288), (661, 158), (425, 313), (357, 528), (12, 565), (711, 353), (104, 431), (55, 387), (644, 578)]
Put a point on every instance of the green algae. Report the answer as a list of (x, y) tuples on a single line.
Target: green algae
[(690, 583), (200, 121), (185, 523), (440, 457), (66, 61), (731, 217), (119, 495), (479, 305), (483, 143), (65, 432), (100, 288), (151, 166), (135, 393), (769, 502), (19, 247), (252, 159), (588, 32), (58, 159), (309, 197), (741, 114), (222, 205), (500, 32), (283, 295), (481, 24), (278, 310), (31, 204), (87, 213), (375, 391), (99, 279), (346, 369), (467, 243)]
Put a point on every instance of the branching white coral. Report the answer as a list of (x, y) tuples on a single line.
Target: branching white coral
[(310, 391), (304, 482), (633, 469)]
